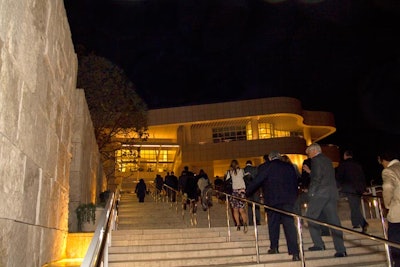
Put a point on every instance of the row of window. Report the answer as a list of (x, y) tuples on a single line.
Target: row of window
[(236, 133), (150, 158)]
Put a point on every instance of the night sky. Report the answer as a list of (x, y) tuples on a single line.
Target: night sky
[(338, 56)]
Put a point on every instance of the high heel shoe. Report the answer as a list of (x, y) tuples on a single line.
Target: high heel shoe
[(245, 228), (238, 228)]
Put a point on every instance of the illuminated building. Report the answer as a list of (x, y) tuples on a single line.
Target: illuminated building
[(209, 136)]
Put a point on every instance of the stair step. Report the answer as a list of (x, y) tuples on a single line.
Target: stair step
[(156, 234)]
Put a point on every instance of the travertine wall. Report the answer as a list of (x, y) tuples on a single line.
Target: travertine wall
[(87, 178), (38, 100)]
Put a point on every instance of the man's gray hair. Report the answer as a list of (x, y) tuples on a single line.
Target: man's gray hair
[(314, 146), (274, 155)]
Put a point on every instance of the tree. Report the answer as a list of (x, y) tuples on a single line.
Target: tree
[(115, 108)]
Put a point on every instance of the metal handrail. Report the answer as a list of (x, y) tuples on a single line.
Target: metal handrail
[(298, 219), (97, 253)]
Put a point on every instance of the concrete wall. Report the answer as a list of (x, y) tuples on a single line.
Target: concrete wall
[(38, 100)]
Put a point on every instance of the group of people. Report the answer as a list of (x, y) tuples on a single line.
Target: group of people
[(280, 185), (320, 186), (280, 181), (193, 187)]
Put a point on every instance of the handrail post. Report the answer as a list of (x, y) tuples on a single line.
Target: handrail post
[(385, 234), (208, 209), (253, 207), (227, 217), (300, 237)]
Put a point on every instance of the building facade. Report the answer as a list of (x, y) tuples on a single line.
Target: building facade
[(209, 136)]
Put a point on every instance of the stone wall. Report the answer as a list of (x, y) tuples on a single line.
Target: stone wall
[(38, 101), (87, 179)]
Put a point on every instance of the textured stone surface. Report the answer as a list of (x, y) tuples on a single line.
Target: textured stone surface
[(39, 125)]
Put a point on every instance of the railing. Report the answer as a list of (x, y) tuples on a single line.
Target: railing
[(172, 195), (298, 219), (97, 253), (377, 200)]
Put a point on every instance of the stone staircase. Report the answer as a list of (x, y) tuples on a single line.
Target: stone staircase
[(157, 233)]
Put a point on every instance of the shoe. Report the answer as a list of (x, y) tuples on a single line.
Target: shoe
[(340, 254), (245, 228), (357, 227), (273, 251), (316, 248), (238, 228), (296, 257), (365, 228)]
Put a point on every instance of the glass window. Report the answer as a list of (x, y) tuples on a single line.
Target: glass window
[(150, 158), (229, 133)]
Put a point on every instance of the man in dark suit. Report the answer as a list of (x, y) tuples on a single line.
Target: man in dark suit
[(279, 184), (351, 179), (322, 198)]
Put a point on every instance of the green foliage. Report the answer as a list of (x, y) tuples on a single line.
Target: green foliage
[(114, 106), (85, 213), (111, 97)]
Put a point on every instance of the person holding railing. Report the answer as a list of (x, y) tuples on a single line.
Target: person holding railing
[(172, 181), (191, 191), (182, 184), (279, 185), (351, 180), (205, 187), (238, 191), (250, 172), (159, 182), (391, 199), (322, 198)]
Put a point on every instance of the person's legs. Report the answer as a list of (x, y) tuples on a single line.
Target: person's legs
[(394, 235), (357, 219), (255, 197), (315, 206), (243, 215), (330, 210), (236, 217), (324, 229), (273, 229), (290, 231)]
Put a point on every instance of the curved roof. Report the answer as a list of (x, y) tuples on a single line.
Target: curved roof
[(285, 113)]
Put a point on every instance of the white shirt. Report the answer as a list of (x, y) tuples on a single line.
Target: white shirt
[(237, 179)]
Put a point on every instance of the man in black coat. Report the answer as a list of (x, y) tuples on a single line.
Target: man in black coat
[(279, 184), (351, 179)]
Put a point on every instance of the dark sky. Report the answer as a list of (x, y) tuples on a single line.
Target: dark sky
[(338, 56)]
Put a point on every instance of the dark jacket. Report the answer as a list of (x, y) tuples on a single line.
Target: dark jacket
[(322, 178), (278, 181), (172, 181), (350, 177), (191, 188)]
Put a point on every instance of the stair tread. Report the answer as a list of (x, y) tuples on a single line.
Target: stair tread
[(166, 238)]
